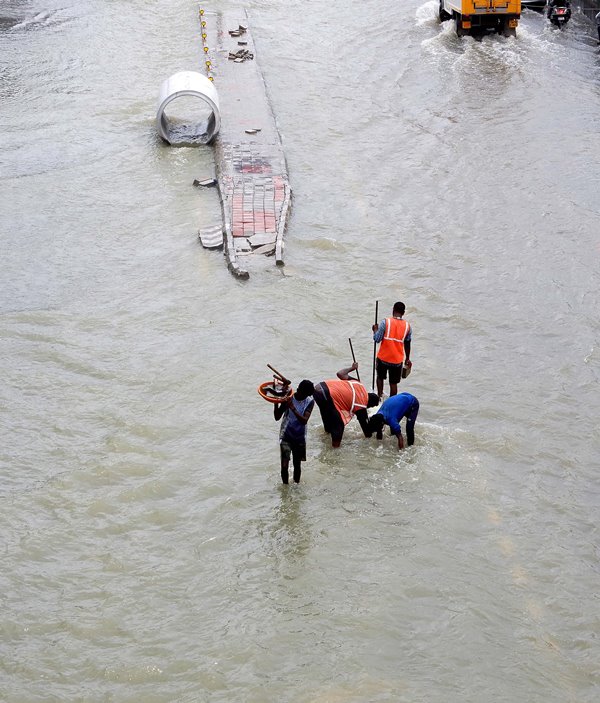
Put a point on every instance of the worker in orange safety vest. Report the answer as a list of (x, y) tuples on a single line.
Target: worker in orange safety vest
[(395, 336), (340, 399)]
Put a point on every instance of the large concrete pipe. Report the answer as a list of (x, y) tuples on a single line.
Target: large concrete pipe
[(188, 83)]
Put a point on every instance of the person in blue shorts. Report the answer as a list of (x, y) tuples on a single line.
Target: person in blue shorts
[(292, 434), (391, 413)]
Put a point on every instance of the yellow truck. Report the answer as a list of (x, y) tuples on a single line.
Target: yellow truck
[(477, 17)]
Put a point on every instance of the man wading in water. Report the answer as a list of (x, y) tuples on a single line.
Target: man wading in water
[(394, 333), (292, 435)]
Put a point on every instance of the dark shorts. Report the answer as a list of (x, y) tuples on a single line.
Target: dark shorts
[(293, 448), (332, 420), (395, 371)]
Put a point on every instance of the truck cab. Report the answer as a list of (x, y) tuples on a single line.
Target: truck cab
[(479, 17)]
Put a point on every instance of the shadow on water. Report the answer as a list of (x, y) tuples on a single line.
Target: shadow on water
[(188, 122), (186, 133)]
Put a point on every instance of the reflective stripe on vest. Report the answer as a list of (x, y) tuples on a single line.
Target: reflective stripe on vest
[(347, 397), (392, 344), (356, 406)]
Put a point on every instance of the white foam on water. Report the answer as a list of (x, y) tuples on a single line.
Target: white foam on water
[(40, 19), (427, 14)]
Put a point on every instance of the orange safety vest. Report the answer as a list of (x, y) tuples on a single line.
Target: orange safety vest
[(348, 397), (392, 345)]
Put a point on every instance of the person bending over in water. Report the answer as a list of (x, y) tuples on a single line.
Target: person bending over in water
[(340, 399), (391, 413), (292, 434)]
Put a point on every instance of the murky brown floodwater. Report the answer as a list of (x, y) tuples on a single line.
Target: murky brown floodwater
[(148, 550)]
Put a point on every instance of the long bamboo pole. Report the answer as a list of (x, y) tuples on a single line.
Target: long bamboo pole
[(375, 345)]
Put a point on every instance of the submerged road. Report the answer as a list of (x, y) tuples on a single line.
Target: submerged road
[(148, 550)]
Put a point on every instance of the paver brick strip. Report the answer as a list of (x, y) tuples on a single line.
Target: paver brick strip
[(250, 164)]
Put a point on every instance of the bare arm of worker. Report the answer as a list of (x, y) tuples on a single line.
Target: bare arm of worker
[(400, 441), (278, 410), (378, 331), (302, 418), (407, 349), (363, 419), (344, 374)]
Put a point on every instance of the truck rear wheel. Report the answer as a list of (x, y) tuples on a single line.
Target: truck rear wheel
[(505, 30)]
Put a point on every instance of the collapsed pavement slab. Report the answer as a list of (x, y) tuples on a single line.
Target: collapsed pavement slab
[(251, 169)]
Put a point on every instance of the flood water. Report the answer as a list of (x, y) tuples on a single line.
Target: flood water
[(148, 550)]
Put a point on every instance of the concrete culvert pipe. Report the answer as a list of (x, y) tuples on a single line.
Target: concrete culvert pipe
[(199, 125)]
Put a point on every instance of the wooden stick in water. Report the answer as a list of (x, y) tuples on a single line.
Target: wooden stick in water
[(353, 357)]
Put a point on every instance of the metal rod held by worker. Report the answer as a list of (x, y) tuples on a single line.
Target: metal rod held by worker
[(375, 344), (353, 357), (280, 376)]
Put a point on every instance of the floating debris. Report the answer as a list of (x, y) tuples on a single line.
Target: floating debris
[(252, 131), (206, 183), (242, 43), (241, 55), (211, 237), (242, 29)]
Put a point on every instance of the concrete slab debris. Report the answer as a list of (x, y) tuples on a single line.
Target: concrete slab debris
[(211, 237), (206, 183)]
